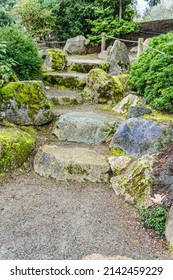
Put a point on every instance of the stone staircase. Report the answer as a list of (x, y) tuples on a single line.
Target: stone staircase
[(83, 128)]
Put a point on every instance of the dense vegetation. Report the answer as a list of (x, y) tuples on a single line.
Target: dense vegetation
[(65, 19), (151, 74), (18, 55)]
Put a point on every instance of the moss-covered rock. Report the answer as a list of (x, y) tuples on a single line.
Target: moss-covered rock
[(103, 88), (134, 184), (15, 147), (85, 67), (25, 103), (125, 81), (65, 80), (55, 60)]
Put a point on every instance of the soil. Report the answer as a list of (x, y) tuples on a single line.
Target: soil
[(42, 219)]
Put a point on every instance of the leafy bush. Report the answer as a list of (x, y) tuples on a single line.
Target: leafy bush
[(5, 18), (152, 72), (21, 49), (112, 27), (37, 19), (6, 72), (154, 218), (77, 17)]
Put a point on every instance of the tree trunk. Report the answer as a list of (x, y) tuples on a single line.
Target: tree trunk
[(120, 9)]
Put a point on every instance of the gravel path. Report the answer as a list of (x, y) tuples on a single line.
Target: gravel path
[(42, 219)]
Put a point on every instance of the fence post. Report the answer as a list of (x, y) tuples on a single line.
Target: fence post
[(140, 46), (103, 45)]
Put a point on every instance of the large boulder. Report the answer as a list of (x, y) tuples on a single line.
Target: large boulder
[(71, 164), (54, 60), (15, 147), (85, 127), (123, 106), (137, 136), (25, 103), (102, 88), (119, 59), (134, 182), (77, 45)]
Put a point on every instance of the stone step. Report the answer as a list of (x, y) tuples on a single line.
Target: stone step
[(62, 97), (86, 127), (84, 65), (66, 80), (71, 164)]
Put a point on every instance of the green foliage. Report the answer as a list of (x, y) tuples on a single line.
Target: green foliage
[(77, 17), (37, 19), (152, 72), (154, 218), (6, 64), (20, 53), (112, 27), (5, 18)]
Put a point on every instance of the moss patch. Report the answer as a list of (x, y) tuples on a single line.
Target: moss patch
[(117, 152), (72, 82), (15, 147), (158, 116), (58, 59), (75, 169), (86, 67)]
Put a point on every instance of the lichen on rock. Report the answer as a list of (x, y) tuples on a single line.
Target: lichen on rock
[(15, 147), (134, 184), (125, 81), (25, 103)]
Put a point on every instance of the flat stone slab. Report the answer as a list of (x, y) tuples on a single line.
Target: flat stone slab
[(85, 127), (84, 65), (71, 164), (65, 79), (60, 97), (89, 60)]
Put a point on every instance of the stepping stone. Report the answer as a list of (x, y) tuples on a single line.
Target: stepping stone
[(84, 65), (60, 97), (85, 127), (66, 80), (71, 164)]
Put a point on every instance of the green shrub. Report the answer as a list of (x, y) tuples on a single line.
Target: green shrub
[(112, 26), (152, 72), (21, 48), (37, 19), (6, 66), (5, 18), (154, 218)]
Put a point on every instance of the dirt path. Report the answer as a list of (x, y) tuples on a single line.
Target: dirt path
[(42, 219)]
